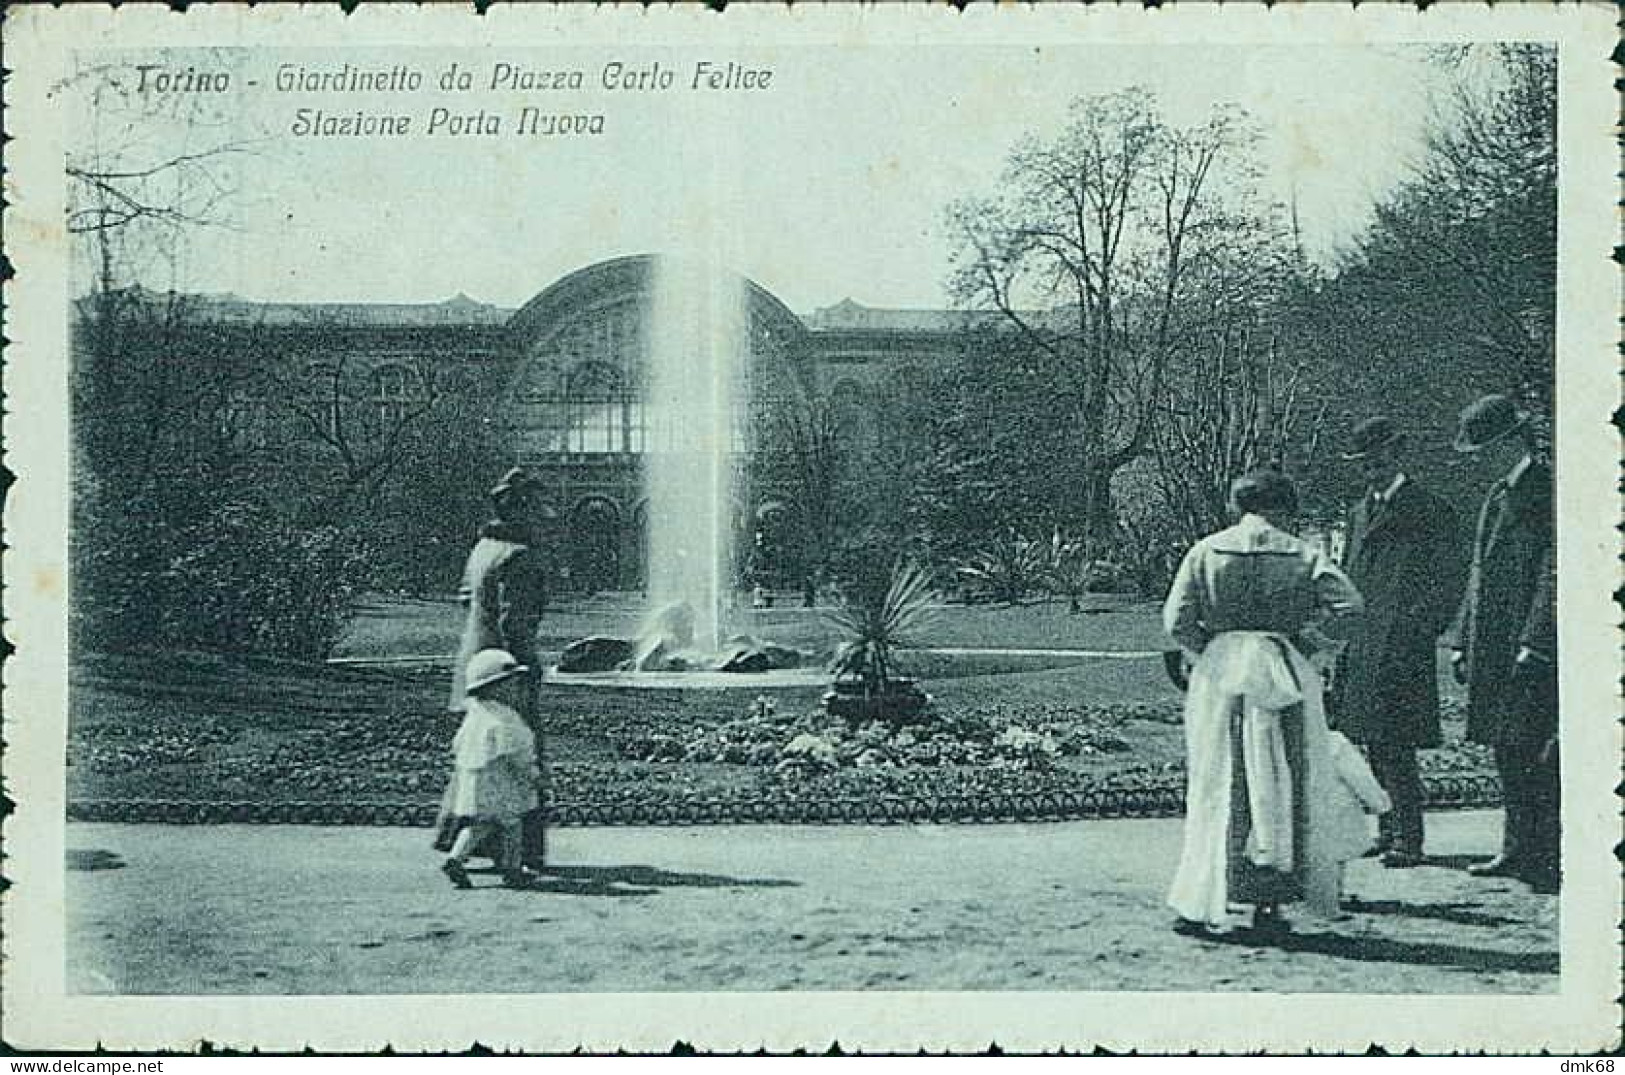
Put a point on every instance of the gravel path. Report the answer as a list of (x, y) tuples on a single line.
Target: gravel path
[(1069, 906)]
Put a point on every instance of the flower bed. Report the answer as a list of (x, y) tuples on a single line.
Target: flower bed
[(187, 730)]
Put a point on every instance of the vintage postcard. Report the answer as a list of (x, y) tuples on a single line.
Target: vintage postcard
[(590, 528)]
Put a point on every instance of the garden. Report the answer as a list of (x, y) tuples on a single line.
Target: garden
[(201, 548), (1035, 712)]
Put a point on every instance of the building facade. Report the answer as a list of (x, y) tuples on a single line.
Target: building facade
[(557, 386)]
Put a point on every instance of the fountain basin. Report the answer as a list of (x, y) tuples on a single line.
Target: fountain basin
[(780, 678)]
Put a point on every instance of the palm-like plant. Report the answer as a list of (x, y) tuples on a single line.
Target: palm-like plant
[(1069, 569), (1009, 567), (875, 618)]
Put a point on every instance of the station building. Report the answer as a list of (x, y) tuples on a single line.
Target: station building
[(559, 383)]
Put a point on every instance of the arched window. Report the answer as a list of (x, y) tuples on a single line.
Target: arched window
[(580, 393), (596, 406), (324, 398), (851, 411), (394, 392), (245, 420)]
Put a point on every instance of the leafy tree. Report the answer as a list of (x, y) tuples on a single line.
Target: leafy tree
[(174, 540), (1451, 292), (810, 438)]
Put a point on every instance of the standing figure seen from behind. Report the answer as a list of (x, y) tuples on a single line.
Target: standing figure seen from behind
[(1246, 605)]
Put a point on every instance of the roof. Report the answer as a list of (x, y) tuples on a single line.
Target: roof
[(224, 307), (847, 315)]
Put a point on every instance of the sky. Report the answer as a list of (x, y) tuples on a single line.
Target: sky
[(831, 183)]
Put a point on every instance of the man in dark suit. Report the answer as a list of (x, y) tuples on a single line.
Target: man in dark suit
[(1506, 640), (1405, 558), (505, 592)]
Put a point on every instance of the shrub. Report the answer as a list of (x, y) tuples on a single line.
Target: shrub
[(230, 577), (808, 754), (1024, 749), (1008, 569), (1071, 570), (1149, 545)]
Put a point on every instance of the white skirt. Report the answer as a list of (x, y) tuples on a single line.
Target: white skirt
[(494, 758), (1263, 676), (503, 792)]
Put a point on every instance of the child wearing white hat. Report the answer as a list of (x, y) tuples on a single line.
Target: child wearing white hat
[(494, 774), (1355, 795)]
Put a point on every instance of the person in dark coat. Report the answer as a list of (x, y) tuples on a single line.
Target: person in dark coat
[(504, 589), (504, 586), (1506, 640), (1406, 559)]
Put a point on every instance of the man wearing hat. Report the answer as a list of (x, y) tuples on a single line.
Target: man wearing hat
[(1405, 558), (505, 590), (1506, 640)]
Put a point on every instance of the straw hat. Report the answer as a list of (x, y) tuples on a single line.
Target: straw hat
[(490, 666)]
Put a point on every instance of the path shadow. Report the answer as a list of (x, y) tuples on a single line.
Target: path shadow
[(566, 886), (93, 859), (1443, 862), (1386, 950), (631, 880), (1458, 913), (552, 881), (654, 877)]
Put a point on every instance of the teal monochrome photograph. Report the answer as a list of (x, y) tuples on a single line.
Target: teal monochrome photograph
[(1089, 495), (841, 519)]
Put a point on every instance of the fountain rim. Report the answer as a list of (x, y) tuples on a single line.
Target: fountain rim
[(778, 679)]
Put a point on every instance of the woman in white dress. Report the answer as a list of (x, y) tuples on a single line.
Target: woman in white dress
[(1246, 606)]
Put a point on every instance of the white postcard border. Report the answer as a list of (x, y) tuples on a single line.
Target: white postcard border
[(38, 1012)]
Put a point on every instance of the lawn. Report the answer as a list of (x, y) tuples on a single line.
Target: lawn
[(386, 627), (198, 727)]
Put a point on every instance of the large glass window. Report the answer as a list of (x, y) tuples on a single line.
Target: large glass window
[(600, 414), (245, 419), (393, 394), (581, 396)]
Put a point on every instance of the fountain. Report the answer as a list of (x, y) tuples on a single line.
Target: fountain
[(697, 358), (694, 384)]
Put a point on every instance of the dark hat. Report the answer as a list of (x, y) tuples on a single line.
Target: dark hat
[(1178, 667), (517, 480), (1263, 491), (1487, 421), (1372, 435)]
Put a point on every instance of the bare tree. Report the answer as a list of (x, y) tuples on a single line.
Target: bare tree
[(808, 444), (143, 172), (331, 403), (1242, 405), (1087, 252)]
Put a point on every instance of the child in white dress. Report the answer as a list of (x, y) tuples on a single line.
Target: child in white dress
[(1355, 794), (494, 774)]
